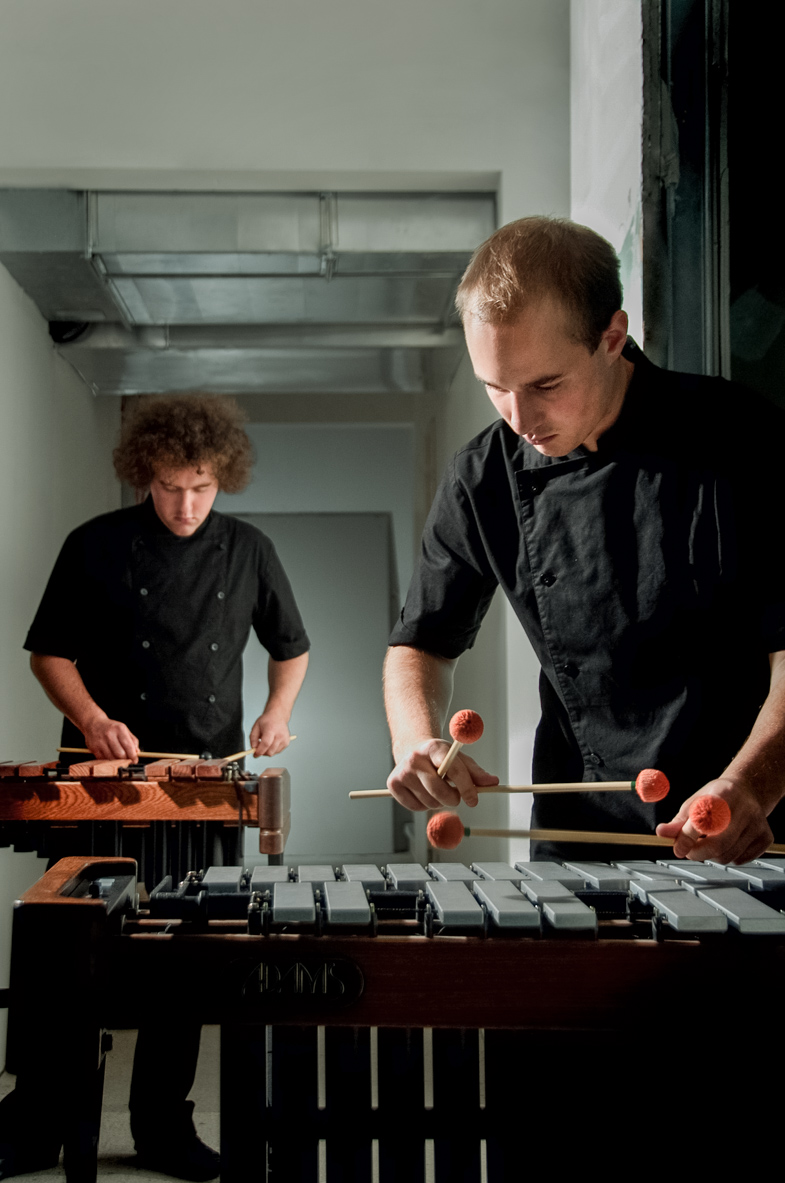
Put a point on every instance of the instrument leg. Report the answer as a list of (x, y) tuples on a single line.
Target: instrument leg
[(292, 1105), (401, 1075), (456, 1097), (244, 1104), (82, 1108), (347, 1101)]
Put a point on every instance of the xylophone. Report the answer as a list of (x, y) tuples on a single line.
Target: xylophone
[(169, 815), (375, 1021)]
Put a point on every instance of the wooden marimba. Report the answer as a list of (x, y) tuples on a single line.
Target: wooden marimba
[(169, 815), (475, 1019)]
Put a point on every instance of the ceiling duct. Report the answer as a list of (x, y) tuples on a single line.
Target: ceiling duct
[(241, 292)]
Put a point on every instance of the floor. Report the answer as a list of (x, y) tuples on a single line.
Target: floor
[(116, 1156)]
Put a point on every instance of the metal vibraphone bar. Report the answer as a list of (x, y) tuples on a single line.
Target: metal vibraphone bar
[(413, 1023), (169, 815)]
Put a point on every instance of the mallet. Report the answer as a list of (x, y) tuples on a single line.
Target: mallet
[(465, 727), (249, 751), (650, 785), (708, 814), (158, 755)]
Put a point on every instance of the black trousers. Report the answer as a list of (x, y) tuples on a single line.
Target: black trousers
[(163, 1075)]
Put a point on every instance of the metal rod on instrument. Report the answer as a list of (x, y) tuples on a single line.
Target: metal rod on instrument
[(249, 751), (608, 839), (159, 755), (613, 786)]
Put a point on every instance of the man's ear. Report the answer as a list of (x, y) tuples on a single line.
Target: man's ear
[(615, 336)]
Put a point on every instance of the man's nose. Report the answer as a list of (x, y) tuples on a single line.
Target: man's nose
[(520, 417)]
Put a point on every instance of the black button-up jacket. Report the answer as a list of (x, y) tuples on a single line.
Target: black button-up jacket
[(157, 624), (646, 576)]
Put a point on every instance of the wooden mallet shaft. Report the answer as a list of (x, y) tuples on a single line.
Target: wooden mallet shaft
[(592, 836), (446, 763), (613, 786), (157, 755), (249, 751)]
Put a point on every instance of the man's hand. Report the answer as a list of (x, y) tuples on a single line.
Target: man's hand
[(746, 837), (269, 735), (270, 732), (109, 739), (415, 784)]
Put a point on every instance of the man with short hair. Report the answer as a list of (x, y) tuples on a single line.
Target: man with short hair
[(622, 510), (138, 640)]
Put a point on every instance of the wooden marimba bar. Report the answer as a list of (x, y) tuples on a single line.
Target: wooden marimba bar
[(406, 1039), (168, 814)]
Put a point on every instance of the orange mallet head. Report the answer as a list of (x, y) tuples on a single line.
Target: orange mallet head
[(466, 726), (651, 785), (445, 830), (710, 815)]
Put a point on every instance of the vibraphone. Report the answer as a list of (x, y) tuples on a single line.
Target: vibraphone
[(478, 1019), (169, 815)]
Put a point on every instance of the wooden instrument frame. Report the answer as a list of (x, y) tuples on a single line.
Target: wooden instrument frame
[(572, 1010), (263, 801)]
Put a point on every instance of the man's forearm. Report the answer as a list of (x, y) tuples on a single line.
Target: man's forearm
[(64, 687), (761, 761), (417, 693), (284, 679)]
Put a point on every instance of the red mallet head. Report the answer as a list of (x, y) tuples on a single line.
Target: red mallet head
[(710, 815), (651, 785), (445, 830), (466, 726)]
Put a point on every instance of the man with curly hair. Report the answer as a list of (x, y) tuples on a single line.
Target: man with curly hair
[(139, 636), (138, 640)]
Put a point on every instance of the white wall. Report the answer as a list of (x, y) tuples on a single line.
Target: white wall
[(288, 93), (606, 85), (255, 94), (606, 107), (56, 472), (334, 468)]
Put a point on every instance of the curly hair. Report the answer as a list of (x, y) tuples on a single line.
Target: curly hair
[(185, 431), (536, 257)]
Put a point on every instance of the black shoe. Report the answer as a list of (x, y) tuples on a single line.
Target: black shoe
[(21, 1160), (184, 1158)]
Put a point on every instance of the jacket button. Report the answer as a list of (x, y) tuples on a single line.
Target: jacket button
[(548, 579), (214, 646), (142, 591), (595, 759), (211, 698), (222, 595), (145, 644), (143, 696), (570, 669)]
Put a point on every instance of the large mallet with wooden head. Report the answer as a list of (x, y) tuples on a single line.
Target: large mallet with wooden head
[(465, 727)]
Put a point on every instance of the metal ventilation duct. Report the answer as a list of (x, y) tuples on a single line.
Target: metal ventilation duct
[(236, 293)]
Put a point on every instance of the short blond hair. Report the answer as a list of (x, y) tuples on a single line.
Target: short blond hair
[(185, 431), (538, 257)]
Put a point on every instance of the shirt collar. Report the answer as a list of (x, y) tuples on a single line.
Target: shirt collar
[(626, 425), (152, 524)]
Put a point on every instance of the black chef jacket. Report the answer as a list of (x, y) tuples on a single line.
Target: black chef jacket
[(645, 576), (157, 624)]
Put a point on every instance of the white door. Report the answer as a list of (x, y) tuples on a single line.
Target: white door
[(339, 567)]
